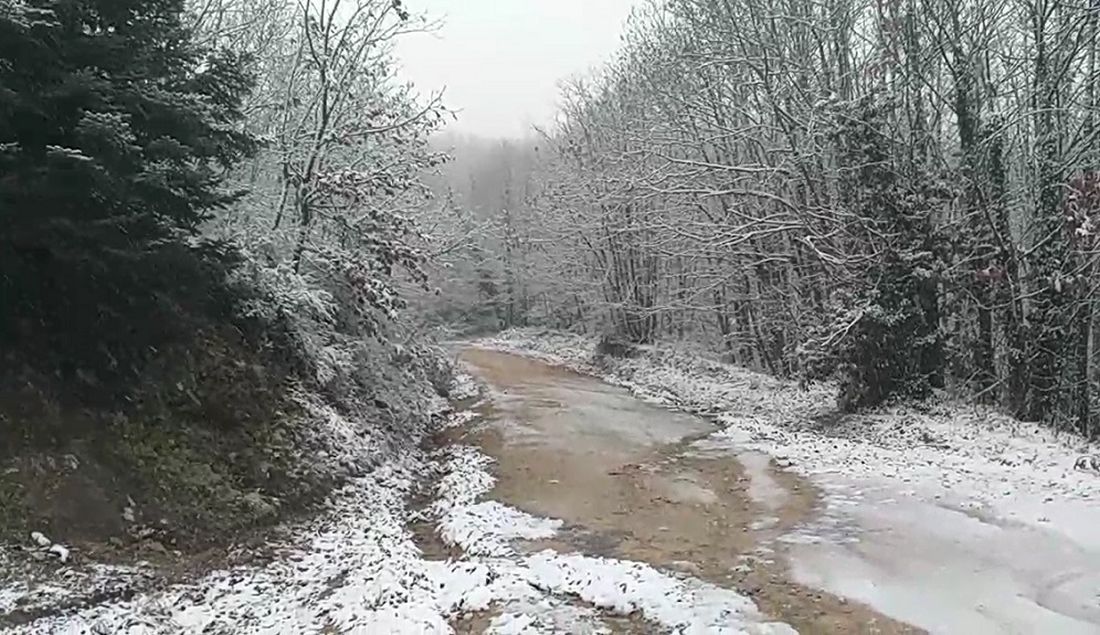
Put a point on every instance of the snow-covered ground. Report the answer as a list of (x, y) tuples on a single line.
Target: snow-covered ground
[(356, 569), (955, 503)]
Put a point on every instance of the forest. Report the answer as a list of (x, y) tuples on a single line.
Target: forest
[(900, 196), (786, 322)]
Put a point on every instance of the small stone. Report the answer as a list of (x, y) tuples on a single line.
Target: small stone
[(687, 567), (60, 552), (258, 505), (155, 547)]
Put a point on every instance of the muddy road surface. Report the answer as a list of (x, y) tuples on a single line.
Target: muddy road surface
[(625, 478)]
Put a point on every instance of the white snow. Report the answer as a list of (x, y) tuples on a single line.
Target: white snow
[(681, 605), (32, 590), (763, 488), (360, 569), (61, 552), (463, 386), (512, 624), (985, 478), (974, 573), (547, 615)]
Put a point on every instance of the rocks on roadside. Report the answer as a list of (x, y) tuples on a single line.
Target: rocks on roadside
[(1088, 463), (61, 552), (259, 505), (46, 548), (154, 546)]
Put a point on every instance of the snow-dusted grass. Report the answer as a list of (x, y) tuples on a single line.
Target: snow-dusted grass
[(971, 455), (353, 566), (359, 569), (30, 590), (484, 528)]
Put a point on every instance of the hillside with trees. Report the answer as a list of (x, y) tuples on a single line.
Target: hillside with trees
[(786, 323), (207, 213)]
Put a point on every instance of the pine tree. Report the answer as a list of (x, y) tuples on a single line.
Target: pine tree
[(115, 133), (892, 341)]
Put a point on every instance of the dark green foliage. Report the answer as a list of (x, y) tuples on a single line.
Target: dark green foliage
[(617, 346), (890, 341), (115, 134)]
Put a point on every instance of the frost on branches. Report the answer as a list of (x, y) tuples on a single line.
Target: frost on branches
[(327, 222)]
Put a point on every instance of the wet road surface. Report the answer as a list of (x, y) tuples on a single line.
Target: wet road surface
[(624, 477)]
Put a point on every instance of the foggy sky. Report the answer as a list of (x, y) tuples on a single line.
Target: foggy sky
[(501, 60)]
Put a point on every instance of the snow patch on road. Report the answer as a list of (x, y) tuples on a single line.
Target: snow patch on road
[(679, 604), (547, 615)]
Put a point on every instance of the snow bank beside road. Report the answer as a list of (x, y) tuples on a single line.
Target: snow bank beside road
[(359, 569), (970, 456)]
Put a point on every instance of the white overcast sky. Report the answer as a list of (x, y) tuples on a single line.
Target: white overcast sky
[(501, 60)]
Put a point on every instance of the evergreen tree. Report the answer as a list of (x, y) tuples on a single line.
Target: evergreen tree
[(892, 342), (115, 133)]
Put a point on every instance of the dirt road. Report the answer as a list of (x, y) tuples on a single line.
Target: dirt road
[(624, 477)]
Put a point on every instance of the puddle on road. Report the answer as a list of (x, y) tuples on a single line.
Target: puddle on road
[(622, 476)]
